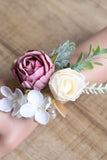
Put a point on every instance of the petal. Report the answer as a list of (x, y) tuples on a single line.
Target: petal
[(18, 94), (42, 82), (49, 60), (27, 110), (42, 117), (39, 85), (15, 111), (35, 98), (46, 64), (5, 105), (6, 92), (16, 74), (26, 84), (38, 64), (37, 74), (19, 116), (46, 103)]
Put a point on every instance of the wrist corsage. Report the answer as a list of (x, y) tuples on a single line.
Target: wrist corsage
[(43, 82)]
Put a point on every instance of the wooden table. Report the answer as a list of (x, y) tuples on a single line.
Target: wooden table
[(43, 25)]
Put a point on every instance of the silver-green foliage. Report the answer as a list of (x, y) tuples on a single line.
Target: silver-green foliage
[(62, 54)]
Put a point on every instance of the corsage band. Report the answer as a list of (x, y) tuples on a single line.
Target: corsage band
[(44, 81)]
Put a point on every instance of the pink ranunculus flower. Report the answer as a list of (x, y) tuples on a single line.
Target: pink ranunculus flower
[(33, 70)]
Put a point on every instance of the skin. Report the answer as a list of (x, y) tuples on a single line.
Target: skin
[(16, 130)]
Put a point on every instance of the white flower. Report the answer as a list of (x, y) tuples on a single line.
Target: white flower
[(67, 84), (13, 101), (36, 107)]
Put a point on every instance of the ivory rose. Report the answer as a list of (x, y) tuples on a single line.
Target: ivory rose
[(67, 84), (33, 70)]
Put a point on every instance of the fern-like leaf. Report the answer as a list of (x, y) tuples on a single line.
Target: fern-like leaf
[(94, 89), (87, 63)]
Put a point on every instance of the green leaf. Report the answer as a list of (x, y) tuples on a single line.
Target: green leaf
[(98, 63), (85, 65), (99, 57), (53, 58), (80, 57), (103, 51), (91, 48), (69, 65), (52, 53), (97, 51), (57, 66)]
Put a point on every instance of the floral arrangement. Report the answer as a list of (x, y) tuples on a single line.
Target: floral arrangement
[(44, 81)]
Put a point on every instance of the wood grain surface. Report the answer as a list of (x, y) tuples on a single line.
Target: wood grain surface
[(43, 25)]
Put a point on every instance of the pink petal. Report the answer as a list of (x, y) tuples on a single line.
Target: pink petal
[(38, 85), (36, 75), (38, 64), (26, 84), (43, 81), (45, 63)]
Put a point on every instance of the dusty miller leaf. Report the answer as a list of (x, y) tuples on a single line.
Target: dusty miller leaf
[(61, 65), (65, 51), (52, 53), (61, 54)]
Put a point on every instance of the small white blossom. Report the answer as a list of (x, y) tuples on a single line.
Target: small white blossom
[(13, 101), (36, 107)]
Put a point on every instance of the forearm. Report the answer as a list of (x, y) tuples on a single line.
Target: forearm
[(98, 74), (13, 132)]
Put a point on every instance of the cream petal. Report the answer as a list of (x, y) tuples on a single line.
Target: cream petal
[(42, 117), (6, 92), (27, 111), (66, 84), (5, 105), (35, 98)]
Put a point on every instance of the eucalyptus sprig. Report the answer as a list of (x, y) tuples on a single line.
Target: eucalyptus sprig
[(87, 63), (61, 55)]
